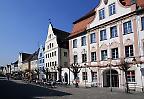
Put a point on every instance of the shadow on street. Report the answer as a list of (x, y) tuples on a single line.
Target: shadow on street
[(12, 90)]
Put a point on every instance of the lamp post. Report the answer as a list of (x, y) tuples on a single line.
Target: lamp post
[(135, 62), (109, 63), (85, 73)]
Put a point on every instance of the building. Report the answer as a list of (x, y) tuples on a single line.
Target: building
[(22, 61), (41, 64), (14, 67), (101, 40), (56, 52)]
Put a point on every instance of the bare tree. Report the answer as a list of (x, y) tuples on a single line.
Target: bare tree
[(46, 72), (124, 66), (75, 69), (37, 72)]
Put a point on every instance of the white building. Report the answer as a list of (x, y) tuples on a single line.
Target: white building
[(56, 52), (108, 34)]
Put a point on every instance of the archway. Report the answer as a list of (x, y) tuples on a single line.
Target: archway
[(66, 78), (114, 78)]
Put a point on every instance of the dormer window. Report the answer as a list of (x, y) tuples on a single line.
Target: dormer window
[(112, 9), (101, 14)]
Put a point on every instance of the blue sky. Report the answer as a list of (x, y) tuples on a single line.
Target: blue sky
[(24, 23)]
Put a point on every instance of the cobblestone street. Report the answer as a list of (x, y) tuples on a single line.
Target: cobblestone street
[(20, 90)]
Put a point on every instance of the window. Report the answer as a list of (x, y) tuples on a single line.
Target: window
[(103, 35), (55, 53), (52, 54), (92, 38), (43, 60), (50, 64), (104, 55), (52, 44), (75, 59), (75, 43), (83, 41), (142, 22), (94, 76), (101, 14), (55, 63), (40, 61), (131, 76), (112, 9), (84, 58), (127, 26), (46, 55), (65, 54), (46, 64), (114, 53), (113, 32), (84, 75), (93, 56), (40, 54), (129, 51), (133, 1)]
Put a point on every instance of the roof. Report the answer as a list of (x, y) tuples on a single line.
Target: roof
[(80, 25), (16, 62), (61, 37), (140, 3), (33, 56), (25, 56)]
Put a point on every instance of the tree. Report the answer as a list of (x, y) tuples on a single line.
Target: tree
[(37, 72), (124, 66), (46, 72), (75, 69), (59, 72)]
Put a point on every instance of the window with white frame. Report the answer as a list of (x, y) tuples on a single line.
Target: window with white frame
[(101, 14), (103, 35), (75, 59), (127, 27), (75, 43), (129, 51), (131, 76), (114, 53), (93, 56), (84, 75), (94, 76), (112, 9), (113, 32), (92, 38), (142, 23), (83, 41), (84, 58), (104, 55)]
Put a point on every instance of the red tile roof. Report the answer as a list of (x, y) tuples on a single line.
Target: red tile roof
[(80, 25)]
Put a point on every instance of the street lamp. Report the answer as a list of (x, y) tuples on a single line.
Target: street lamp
[(109, 63), (135, 62)]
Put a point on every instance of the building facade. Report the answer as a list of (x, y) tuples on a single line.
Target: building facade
[(103, 38), (41, 64), (56, 52)]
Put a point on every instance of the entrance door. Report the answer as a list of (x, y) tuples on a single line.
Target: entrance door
[(114, 78), (66, 77)]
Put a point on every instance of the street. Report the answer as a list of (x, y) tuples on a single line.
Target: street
[(19, 90)]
